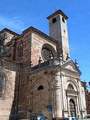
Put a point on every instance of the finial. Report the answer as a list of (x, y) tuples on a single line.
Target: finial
[(67, 57), (76, 63)]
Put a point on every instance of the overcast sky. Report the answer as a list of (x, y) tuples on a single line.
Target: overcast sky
[(20, 14)]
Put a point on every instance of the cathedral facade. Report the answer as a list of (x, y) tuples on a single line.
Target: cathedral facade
[(38, 76)]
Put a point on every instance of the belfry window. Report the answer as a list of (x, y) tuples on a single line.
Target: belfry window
[(54, 20), (63, 19)]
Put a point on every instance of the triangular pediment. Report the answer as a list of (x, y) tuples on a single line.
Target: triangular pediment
[(70, 65)]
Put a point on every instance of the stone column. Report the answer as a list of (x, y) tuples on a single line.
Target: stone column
[(58, 96)]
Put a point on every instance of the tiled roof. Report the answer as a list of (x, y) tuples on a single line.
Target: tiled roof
[(40, 33), (35, 30), (10, 31)]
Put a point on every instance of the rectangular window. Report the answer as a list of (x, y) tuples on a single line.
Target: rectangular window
[(54, 20)]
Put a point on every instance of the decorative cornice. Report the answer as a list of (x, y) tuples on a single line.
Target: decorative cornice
[(58, 12)]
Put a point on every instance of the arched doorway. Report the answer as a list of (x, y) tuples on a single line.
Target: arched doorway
[(72, 108)]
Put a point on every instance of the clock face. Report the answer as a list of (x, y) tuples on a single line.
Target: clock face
[(47, 54)]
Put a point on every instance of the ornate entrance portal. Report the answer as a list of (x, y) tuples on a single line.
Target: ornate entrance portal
[(72, 108), (72, 98)]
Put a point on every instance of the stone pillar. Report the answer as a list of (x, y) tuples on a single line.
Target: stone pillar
[(58, 96)]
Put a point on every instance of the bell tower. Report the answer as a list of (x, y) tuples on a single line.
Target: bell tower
[(58, 30)]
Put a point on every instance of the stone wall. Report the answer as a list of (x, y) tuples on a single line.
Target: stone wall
[(54, 92), (34, 99), (32, 44), (7, 98), (88, 101), (8, 37), (36, 48)]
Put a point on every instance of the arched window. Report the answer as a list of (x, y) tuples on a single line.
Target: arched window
[(2, 83), (72, 108), (40, 87), (70, 87)]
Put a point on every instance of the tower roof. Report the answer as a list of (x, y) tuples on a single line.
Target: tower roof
[(58, 12)]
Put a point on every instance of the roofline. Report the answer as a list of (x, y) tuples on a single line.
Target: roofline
[(58, 12), (10, 31), (35, 30)]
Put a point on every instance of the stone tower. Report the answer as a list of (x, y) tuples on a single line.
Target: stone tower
[(58, 30)]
